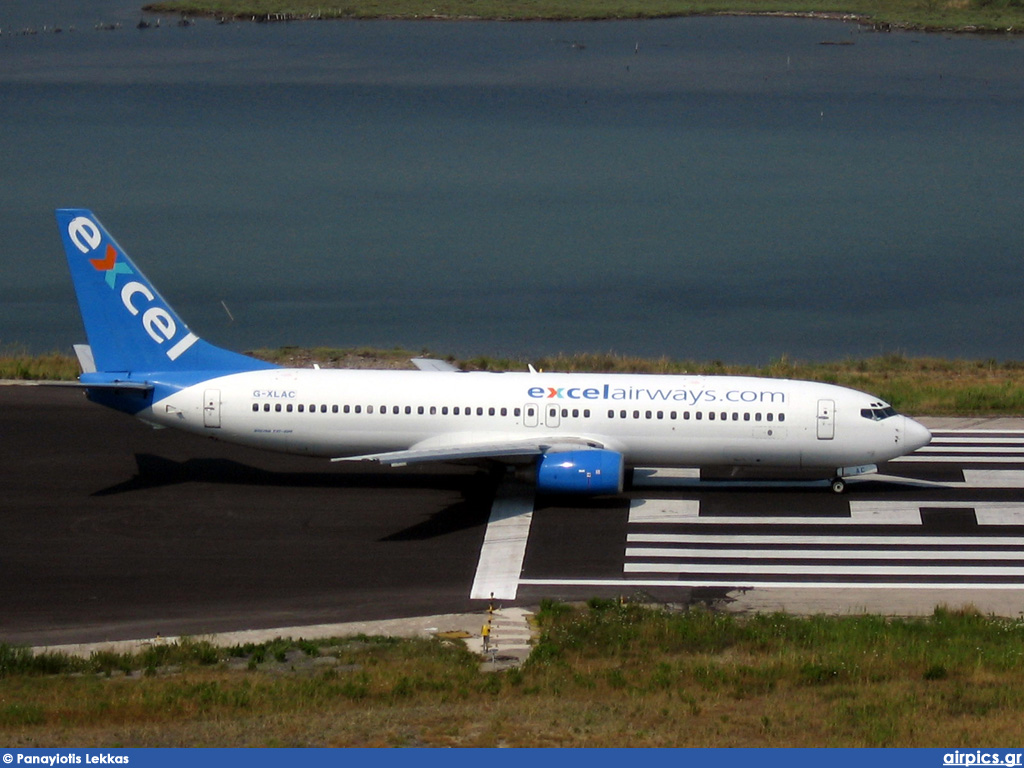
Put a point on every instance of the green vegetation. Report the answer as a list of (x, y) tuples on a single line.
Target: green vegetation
[(604, 674), (920, 386), (961, 15), (55, 366)]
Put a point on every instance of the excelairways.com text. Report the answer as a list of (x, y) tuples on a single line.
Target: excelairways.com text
[(643, 394)]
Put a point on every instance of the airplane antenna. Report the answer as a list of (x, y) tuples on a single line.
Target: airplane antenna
[(230, 316)]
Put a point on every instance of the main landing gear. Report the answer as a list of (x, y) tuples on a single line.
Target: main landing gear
[(838, 485)]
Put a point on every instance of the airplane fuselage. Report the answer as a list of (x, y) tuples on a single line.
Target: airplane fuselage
[(655, 420)]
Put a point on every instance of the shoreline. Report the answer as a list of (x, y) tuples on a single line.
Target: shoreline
[(958, 21)]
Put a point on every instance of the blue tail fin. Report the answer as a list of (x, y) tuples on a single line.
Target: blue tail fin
[(130, 327)]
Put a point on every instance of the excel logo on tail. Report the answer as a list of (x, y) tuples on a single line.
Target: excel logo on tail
[(157, 320)]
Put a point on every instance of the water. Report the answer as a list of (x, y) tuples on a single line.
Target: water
[(704, 188)]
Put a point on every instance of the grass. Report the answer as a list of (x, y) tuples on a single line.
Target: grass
[(604, 674), (962, 15), (919, 386), (18, 364)]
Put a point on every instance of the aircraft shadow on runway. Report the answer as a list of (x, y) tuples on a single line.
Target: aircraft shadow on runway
[(477, 488), (157, 471), (472, 511)]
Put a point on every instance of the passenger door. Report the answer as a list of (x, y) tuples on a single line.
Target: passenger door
[(211, 408), (826, 419)]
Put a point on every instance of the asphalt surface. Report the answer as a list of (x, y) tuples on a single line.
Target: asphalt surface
[(112, 530)]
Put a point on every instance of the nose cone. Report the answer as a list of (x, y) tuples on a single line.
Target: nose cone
[(915, 435)]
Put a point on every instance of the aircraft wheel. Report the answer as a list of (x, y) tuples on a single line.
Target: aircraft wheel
[(838, 485)]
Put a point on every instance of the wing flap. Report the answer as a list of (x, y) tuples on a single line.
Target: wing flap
[(459, 451)]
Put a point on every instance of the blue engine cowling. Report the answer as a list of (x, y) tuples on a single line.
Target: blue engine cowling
[(582, 472)]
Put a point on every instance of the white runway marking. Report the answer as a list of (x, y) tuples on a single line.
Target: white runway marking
[(964, 440), (633, 584), (993, 478), (678, 547), (754, 540), (504, 547), (681, 553), (918, 458), (942, 559), (826, 571)]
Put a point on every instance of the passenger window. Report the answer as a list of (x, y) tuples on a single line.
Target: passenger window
[(711, 416), (347, 409), (782, 417), (359, 408), (323, 409), (757, 417), (699, 415), (302, 408), (575, 413), (277, 407), (586, 413), (661, 414), (686, 415), (516, 412), (288, 407), (334, 409), (735, 417), (369, 409), (770, 417), (455, 411), (479, 411), (622, 414), (672, 415), (746, 417), (444, 410), (433, 410), (504, 411), (419, 411), (256, 407)]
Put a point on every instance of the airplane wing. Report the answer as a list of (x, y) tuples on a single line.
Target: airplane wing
[(471, 449), (430, 364)]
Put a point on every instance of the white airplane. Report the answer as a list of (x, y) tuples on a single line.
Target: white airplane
[(574, 433)]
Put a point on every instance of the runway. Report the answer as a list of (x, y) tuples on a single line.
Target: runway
[(113, 530)]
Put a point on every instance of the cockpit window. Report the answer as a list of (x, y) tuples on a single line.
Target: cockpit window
[(878, 412)]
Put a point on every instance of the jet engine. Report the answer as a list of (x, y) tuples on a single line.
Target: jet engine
[(590, 472)]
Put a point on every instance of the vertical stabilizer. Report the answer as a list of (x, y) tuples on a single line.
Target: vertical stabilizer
[(130, 327)]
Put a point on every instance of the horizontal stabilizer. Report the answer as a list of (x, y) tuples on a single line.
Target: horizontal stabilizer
[(110, 386)]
